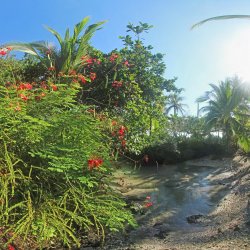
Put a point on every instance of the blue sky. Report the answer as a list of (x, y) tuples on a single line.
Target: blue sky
[(205, 55)]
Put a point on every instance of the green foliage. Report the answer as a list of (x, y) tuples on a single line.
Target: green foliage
[(227, 109), (72, 48), (176, 150), (48, 190)]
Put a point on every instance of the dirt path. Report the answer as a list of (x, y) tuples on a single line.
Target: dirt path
[(226, 225)]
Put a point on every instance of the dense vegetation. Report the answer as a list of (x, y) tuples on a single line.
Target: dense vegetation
[(68, 112)]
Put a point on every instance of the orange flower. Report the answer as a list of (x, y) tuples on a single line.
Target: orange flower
[(24, 97), (114, 123), (54, 87)]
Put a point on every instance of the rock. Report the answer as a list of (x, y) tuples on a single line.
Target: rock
[(236, 228), (194, 218), (161, 234)]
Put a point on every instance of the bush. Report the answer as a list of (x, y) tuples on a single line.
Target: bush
[(189, 148), (54, 168)]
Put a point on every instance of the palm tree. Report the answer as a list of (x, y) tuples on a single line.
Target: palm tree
[(227, 104), (174, 102), (72, 48), (217, 18)]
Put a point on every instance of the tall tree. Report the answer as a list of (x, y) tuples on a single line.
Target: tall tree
[(174, 102), (227, 107)]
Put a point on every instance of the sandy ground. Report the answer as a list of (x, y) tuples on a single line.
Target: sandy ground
[(227, 226)]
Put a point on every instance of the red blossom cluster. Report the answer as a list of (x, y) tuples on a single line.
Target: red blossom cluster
[(116, 84), (81, 78), (119, 133), (89, 61), (113, 57), (54, 87), (92, 76), (24, 91), (4, 51), (94, 163), (148, 202), (25, 86), (11, 247)]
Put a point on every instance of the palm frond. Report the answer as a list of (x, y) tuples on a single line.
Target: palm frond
[(55, 33), (22, 47), (79, 27), (219, 18)]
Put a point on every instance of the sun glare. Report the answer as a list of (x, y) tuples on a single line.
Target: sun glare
[(236, 55)]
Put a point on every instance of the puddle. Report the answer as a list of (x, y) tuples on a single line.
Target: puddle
[(177, 191)]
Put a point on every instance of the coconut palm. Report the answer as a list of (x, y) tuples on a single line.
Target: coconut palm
[(72, 48), (174, 102), (227, 107), (217, 18)]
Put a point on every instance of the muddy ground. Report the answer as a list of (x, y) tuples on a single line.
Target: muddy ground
[(225, 226)]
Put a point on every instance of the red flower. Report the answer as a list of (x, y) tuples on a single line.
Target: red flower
[(3, 52), (43, 94), (89, 61), (24, 86), (149, 204), (122, 130), (54, 87), (9, 48), (113, 57), (148, 197), (113, 123), (98, 61), (82, 78), (24, 97), (44, 85), (116, 84), (10, 247), (28, 86), (94, 163), (126, 63), (92, 76)]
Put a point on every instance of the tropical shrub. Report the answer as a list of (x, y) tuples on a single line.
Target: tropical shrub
[(54, 167)]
